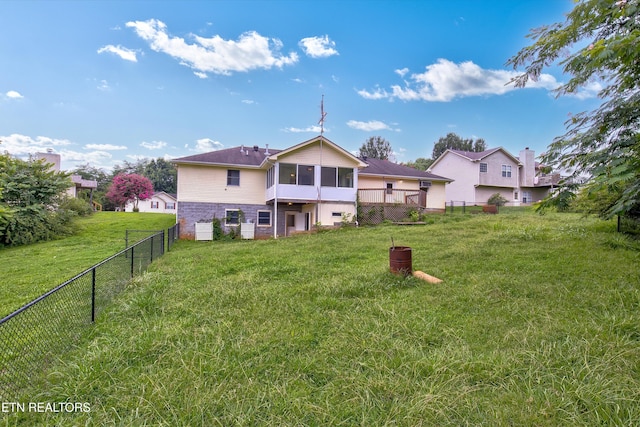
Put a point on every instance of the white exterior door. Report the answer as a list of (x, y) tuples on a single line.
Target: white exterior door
[(388, 192)]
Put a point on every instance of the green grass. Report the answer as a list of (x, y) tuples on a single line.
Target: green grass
[(537, 323), (27, 272)]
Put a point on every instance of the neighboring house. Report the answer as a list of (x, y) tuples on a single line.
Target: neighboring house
[(393, 186), (77, 182), (477, 176), (279, 191), (160, 202)]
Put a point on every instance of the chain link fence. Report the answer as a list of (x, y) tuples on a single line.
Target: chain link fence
[(456, 206), (34, 336), (173, 234), (629, 224)]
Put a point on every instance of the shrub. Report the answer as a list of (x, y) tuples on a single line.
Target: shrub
[(497, 199), (218, 232), (79, 206)]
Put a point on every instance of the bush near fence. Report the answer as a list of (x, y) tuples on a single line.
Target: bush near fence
[(33, 337)]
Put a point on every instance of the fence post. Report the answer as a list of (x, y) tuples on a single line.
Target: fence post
[(132, 263), (619, 225), (162, 243), (151, 251), (464, 206), (93, 295)]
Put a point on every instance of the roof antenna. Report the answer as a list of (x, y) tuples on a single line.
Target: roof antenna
[(322, 116)]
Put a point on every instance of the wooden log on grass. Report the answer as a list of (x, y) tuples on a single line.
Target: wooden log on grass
[(427, 278)]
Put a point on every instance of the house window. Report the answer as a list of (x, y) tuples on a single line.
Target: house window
[(232, 216), (287, 173), (233, 177), (506, 171), (515, 195), (483, 167), (270, 176), (264, 218), (305, 175), (155, 205), (171, 205), (328, 177), (336, 214), (345, 177)]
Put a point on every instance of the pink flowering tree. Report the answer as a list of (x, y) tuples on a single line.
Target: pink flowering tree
[(127, 188)]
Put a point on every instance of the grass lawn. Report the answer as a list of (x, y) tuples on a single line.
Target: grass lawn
[(537, 323), (26, 272)]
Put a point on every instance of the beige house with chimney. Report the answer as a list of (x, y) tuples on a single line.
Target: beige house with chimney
[(477, 176)]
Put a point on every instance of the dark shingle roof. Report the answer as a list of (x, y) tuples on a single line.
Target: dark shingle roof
[(387, 168), (239, 156), (475, 155)]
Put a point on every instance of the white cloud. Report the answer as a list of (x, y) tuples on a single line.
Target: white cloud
[(590, 90), (153, 145), (248, 101), (402, 72), (376, 94), (215, 55), (96, 158), (103, 85), (13, 94), (201, 74), (369, 126), (445, 81), (105, 147), (314, 128), (20, 145), (205, 144), (318, 47), (122, 52)]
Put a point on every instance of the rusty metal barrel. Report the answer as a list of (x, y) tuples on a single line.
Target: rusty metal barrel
[(400, 260)]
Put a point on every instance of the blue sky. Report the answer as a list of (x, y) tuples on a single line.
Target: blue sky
[(101, 82)]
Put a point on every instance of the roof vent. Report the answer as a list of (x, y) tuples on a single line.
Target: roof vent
[(242, 148), (266, 150), (255, 148)]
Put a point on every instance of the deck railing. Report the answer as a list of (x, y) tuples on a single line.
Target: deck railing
[(388, 196)]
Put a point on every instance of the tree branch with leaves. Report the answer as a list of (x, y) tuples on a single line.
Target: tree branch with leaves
[(597, 45)]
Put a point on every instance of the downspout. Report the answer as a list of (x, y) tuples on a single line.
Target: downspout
[(518, 189), (276, 175)]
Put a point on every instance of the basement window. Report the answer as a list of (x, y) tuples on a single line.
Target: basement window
[(264, 218), (231, 216)]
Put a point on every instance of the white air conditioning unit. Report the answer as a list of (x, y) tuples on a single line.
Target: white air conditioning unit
[(425, 184)]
